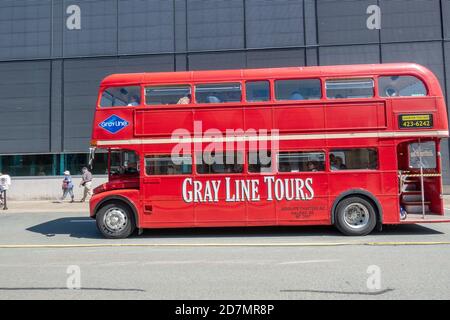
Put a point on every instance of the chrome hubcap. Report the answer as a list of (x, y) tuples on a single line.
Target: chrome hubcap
[(115, 219), (356, 216)]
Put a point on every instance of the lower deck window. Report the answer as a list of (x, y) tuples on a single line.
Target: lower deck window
[(354, 159), (167, 165), (301, 161), (259, 162), (219, 162)]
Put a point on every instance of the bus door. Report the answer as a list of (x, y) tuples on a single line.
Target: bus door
[(420, 178), (301, 188), (162, 190)]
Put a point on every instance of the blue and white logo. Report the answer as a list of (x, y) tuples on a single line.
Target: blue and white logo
[(114, 124)]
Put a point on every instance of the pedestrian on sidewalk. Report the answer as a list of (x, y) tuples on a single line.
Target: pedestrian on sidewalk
[(5, 183), (67, 186), (86, 183)]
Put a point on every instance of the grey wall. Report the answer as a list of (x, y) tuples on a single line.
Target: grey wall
[(49, 75), (25, 106)]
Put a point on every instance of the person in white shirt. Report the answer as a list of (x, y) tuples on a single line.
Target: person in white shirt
[(134, 101), (5, 183)]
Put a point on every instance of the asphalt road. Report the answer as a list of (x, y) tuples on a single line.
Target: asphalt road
[(42, 253)]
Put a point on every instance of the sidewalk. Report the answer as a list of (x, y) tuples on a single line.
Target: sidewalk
[(45, 206)]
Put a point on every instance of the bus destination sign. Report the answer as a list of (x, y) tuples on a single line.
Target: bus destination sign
[(409, 121)]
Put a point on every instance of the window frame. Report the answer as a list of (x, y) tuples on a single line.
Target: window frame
[(274, 90), (166, 175), (270, 83), (243, 171), (277, 171), (331, 150), (425, 84), (272, 166), (104, 88), (349, 78), (436, 157), (194, 93), (190, 85)]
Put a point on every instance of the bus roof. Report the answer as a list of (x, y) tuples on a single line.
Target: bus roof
[(267, 73)]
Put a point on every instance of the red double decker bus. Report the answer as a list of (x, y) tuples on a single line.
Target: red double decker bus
[(352, 146)]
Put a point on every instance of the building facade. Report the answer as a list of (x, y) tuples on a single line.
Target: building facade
[(54, 53)]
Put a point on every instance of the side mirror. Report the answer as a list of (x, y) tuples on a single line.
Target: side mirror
[(91, 156)]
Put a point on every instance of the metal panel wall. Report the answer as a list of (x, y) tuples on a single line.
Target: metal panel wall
[(25, 29), (146, 26), (25, 107), (98, 29), (215, 24), (274, 23)]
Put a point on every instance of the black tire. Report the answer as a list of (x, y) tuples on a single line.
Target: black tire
[(362, 220), (119, 211)]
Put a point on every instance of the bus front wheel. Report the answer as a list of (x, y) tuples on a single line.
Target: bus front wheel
[(355, 216), (115, 221)]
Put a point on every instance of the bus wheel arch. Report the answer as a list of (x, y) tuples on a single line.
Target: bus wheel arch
[(372, 203), (121, 208)]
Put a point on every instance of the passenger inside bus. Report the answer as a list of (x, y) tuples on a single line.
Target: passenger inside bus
[(185, 100), (296, 96), (212, 99), (311, 166), (120, 96), (337, 163), (401, 86), (133, 101)]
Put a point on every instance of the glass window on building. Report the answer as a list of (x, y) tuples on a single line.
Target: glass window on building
[(298, 89), (121, 97), (162, 95), (401, 86), (218, 93), (41, 165), (257, 91), (75, 162), (168, 165), (309, 161), (349, 88), (30, 165), (354, 159)]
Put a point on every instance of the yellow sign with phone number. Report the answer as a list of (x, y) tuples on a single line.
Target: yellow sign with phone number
[(409, 121)]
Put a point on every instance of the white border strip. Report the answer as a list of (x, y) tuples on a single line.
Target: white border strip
[(392, 134)]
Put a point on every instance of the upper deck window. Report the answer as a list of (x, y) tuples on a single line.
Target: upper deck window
[(121, 97), (218, 92), (157, 95), (349, 88), (298, 89), (401, 86), (257, 91)]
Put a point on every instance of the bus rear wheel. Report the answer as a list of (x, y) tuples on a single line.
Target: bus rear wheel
[(115, 221), (355, 216)]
